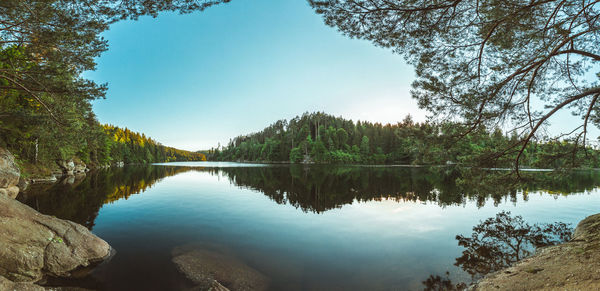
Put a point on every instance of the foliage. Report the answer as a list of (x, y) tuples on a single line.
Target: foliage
[(47, 44), (45, 109), (132, 147), (500, 241), (488, 63), (327, 139), (439, 283)]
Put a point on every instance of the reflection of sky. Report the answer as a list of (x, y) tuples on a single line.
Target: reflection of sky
[(377, 243)]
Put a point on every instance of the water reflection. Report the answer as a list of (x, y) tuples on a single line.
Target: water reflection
[(497, 243), (500, 241), (439, 283), (312, 189), (363, 246), (80, 200)]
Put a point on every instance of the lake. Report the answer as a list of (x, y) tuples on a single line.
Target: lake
[(303, 227)]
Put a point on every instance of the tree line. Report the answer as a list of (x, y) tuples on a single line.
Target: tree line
[(37, 145), (45, 100), (322, 138), (484, 63)]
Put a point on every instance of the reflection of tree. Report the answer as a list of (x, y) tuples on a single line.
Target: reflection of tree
[(497, 243), (500, 241), (81, 202), (320, 188), (315, 188), (439, 283)]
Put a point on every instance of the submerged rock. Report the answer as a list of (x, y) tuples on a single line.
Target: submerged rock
[(212, 269), (574, 265), (34, 245)]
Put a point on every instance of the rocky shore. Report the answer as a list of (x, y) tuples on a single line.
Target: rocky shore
[(574, 265), (35, 245)]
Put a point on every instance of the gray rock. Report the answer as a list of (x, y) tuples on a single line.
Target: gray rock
[(10, 192), (50, 179), (23, 184), (34, 245), (67, 166), (588, 229), (80, 168), (6, 284), (9, 171), (215, 270)]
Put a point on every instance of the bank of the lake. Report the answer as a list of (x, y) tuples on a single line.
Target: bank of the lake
[(35, 246), (574, 265)]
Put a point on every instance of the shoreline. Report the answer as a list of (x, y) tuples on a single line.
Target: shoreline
[(573, 265)]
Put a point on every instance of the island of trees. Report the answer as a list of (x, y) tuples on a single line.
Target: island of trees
[(322, 138)]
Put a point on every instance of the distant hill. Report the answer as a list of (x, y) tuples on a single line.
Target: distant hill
[(323, 138)]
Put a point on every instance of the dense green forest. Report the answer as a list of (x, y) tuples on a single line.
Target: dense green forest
[(37, 140), (38, 145), (45, 100), (322, 138), (47, 116)]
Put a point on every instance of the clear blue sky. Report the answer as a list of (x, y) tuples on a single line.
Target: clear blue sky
[(191, 81)]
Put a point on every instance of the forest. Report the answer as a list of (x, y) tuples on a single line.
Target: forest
[(46, 112), (322, 138), (38, 142)]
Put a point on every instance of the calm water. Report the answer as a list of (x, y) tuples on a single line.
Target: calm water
[(305, 228)]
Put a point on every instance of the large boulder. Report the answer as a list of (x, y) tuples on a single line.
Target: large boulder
[(9, 171), (211, 269), (6, 284), (11, 191), (34, 245)]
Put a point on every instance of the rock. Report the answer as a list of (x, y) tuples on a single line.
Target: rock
[(11, 191), (307, 160), (72, 167), (67, 166), (570, 266), (9, 175), (6, 284), (34, 245), (23, 184), (9, 171), (210, 286), (51, 179), (70, 179), (215, 270), (80, 168), (588, 229)]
